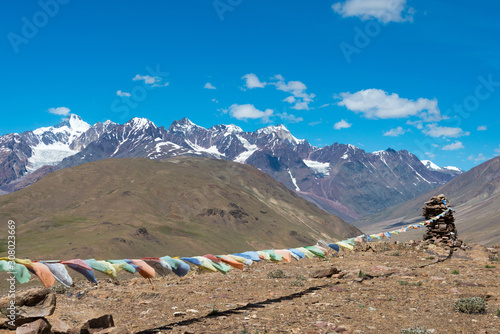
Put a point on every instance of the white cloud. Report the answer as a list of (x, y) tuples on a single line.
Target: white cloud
[(454, 146), (433, 130), (417, 124), (342, 124), (215, 100), (122, 94), (208, 85), (480, 157), (63, 111), (430, 154), (382, 10), (482, 128), (497, 150), (251, 81), (290, 118), (378, 104), (324, 105), (147, 79), (395, 132), (246, 111), (299, 97), (316, 122)]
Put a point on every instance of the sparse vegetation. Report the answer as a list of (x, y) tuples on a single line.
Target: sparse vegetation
[(471, 305), (402, 282), (213, 313), (455, 272), (415, 330), (297, 283), (60, 289), (489, 267), (430, 258), (361, 274), (498, 312), (278, 273), (395, 253)]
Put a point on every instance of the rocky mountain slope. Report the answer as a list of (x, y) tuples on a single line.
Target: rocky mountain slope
[(342, 179), (141, 207), (475, 195)]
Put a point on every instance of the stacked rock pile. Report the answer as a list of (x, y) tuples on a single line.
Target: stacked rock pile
[(441, 229)]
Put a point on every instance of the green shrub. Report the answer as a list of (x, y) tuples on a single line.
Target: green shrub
[(455, 272), (498, 312), (403, 282), (416, 330), (489, 267), (361, 274), (278, 273), (430, 258), (471, 305)]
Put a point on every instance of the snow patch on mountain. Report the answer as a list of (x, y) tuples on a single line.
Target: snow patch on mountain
[(250, 149), (48, 155), (453, 168), (54, 142), (322, 168), (430, 165), (294, 181)]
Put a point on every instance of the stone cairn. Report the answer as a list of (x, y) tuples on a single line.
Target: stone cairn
[(441, 230)]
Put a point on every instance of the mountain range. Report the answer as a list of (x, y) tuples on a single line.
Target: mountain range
[(342, 179), (179, 206)]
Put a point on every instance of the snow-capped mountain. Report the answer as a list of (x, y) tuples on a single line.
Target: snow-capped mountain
[(342, 179), (448, 169), (429, 164)]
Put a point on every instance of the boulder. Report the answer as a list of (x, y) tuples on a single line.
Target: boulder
[(94, 325), (320, 273), (39, 326)]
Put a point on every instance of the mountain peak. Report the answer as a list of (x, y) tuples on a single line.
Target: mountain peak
[(140, 123), (430, 165), (74, 122), (281, 132), (183, 125)]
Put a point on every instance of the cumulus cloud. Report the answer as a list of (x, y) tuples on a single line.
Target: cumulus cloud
[(147, 79), (290, 118), (378, 104), (63, 111), (252, 81), (478, 158), (150, 80), (434, 130), (454, 146), (342, 124), (396, 132), (299, 98), (382, 10), (417, 124), (482, 128), (208, 85), (122, 94), (248, 111)]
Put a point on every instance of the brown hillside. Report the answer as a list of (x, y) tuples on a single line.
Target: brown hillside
[(139, 207), (475, 195)]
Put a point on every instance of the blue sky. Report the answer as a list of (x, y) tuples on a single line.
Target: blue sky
[(417, 75)]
